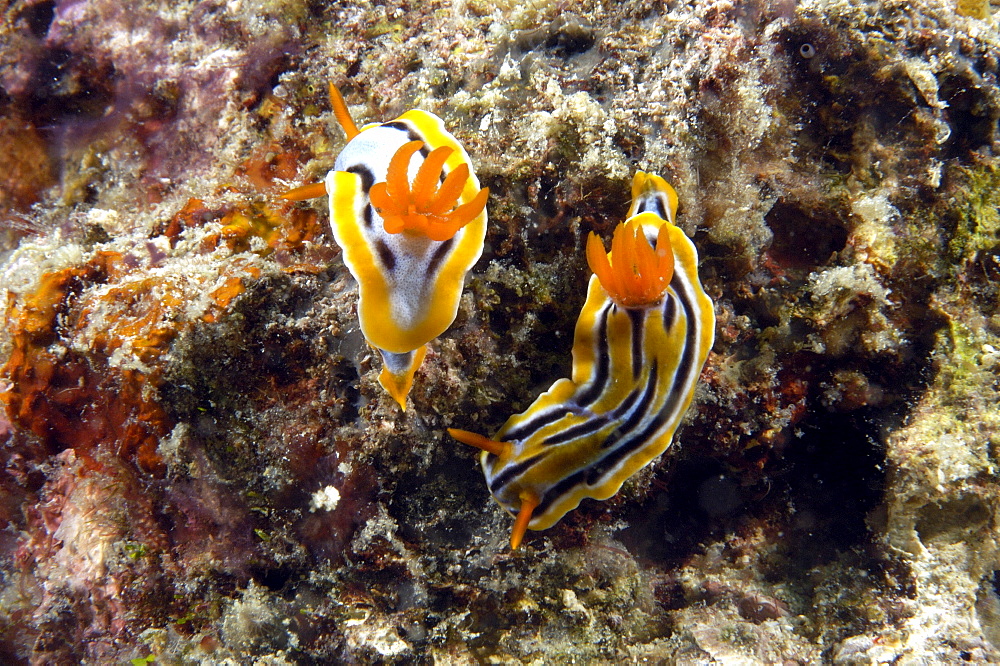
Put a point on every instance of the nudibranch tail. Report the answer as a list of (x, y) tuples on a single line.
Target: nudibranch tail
[(397, 373), (424, 208), (652, 194), (634, 274)]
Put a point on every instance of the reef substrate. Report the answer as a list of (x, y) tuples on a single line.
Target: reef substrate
[(197, 462)]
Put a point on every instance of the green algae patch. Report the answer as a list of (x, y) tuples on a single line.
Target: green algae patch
[(977, 227)]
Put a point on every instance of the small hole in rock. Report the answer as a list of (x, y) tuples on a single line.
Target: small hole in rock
[(803, 240)]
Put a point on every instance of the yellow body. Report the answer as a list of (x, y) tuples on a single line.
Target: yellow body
[(635, 367), (404, 309), (409, 231)]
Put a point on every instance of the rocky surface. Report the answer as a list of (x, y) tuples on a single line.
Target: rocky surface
[(198, 462)]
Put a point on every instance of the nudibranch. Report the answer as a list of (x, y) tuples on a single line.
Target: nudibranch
[(639, 347), (407, 211)]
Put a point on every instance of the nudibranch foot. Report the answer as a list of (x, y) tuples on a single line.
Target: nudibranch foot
[(397, 373), (652, 194), (641, 340)]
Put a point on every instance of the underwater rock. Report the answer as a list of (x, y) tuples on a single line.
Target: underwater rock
[(198, 463)]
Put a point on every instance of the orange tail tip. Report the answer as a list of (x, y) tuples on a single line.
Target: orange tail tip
[(634, 274), (398, 384), (529, 502), (425, 208), (478, 441), (311, 191)]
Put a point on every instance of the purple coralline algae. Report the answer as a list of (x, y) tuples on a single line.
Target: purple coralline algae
[(199, 466)]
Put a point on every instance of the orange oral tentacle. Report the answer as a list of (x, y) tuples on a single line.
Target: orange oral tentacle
[(394, 224), (620, 264), (646, 268), (597, 258), (380, 199), (425, 208), (666, 256), (311, 191), (645, 258), (418, 222), (631, 268), (479, 441), (467, 212), (342, 114), (636, 274), (440, 231), (397, 177)]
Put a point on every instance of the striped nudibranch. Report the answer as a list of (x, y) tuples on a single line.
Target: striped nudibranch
[(640, 343), (408, 213)]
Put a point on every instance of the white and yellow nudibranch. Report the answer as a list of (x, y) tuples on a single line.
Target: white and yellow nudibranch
[(408, 213), (639, 347)]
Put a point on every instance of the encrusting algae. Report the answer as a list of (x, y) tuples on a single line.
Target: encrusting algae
[(88, 342)]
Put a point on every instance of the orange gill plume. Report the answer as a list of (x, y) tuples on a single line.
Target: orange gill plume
[(636, 274), (425, 208)]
